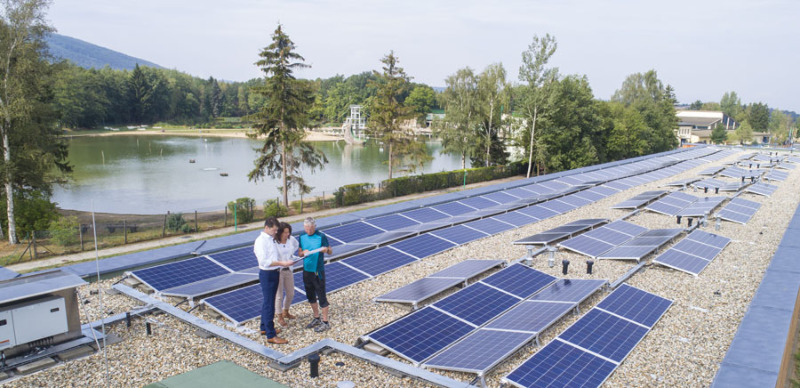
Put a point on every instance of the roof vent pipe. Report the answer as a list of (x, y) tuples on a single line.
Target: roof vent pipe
[(679, 220), (313, 363), (564, 266), (689, 222), (589, 264)]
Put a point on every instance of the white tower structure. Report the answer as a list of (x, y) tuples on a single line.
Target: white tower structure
[(352, 124)]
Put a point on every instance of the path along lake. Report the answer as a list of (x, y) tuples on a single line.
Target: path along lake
[(147, 174)]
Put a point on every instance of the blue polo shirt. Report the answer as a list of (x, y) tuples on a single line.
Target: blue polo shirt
[(314, 262)]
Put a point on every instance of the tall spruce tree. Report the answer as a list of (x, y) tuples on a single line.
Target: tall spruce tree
[(30, 141), (282, 118)]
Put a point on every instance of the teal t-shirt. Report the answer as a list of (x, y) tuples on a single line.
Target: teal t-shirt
[(314, 262)]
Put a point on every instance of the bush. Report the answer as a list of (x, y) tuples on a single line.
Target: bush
[(64, 230), (406, 185), (354, 194), (245, 209), (176, 222), (273, 208)]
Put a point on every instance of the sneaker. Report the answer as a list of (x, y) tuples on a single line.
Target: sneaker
[(323, 327), (314, 323)]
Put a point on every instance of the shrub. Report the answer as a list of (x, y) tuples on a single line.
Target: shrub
[(354, 194), (245, 209), (273, 208), (64, 230), (176, 222)]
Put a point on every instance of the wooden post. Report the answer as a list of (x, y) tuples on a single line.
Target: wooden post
[(226, 216), (235, 225), (164, 230), (35, 253), (125, 230), (80, 235), (195, 222)]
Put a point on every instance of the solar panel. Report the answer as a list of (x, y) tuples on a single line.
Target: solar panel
[(663, 208), (682, 182), (425, 215), (419, 290), (693, 253), (392, 222), (459, 234), (561, 365), (479, 351), (703, 251), (635, 304), (531, 316), (208, 286), (478, 202), (541, 238), (378, 261), (574, 201), (570, 290), (776, 175), (423, 245), (477, 303), (420, 334), (453, 208), (515, 218), (628, 252), (489, 226), (604, 334), (586, 245), (702, 207), (239, 305), (237, 259), (746, 203), (728, 215), (467, 269), (338, 276), (521, 193), (712, 170), (519, 280), (682, 261), (500, 197), (538, 212), (628, 228), (179, 273), (352, 232), (608, 235), (557, 206), (591, 195), (764, 189), (618, 185)]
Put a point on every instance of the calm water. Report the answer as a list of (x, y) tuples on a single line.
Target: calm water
[(152, 174)]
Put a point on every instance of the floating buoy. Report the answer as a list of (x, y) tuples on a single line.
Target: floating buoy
[(191, 160), (223, 174)]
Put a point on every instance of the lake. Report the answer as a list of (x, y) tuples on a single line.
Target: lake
[(146, 174)]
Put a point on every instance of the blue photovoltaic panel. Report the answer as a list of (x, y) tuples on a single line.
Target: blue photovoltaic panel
[(521, 193), (608, 235), (392, 222), (420, 334), (663, 208), (570, 290), (636, 305), (208, 286), (515, 218), (478, 202), (338, 276), (378, 261), (604, 190), (477, 303), (237, 259), (618, 185), (682, 261), (590, 195), (709, 239), (538, 212), (628, 252), (419, 290), (519, 280), (500, 197), (531, 316), (179, 273), (454, 208), (746, 203), (561, 365), (423, 245), (479, 351), (425, 215), (557, 206), (586, 245), (728, 215), (702, 251), (239, 305), (490, 226), (467, 269), (602, 333), (575, 201), (459, 234), (352, 232)]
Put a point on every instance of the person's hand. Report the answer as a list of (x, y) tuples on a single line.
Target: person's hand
[(301, 253), (329, 251)]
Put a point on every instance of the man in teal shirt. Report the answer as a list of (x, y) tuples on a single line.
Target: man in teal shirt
[(314, 273)]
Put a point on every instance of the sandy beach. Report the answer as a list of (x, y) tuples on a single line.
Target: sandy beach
[(240, 133)]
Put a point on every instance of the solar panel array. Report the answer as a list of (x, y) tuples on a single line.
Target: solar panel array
[(776, 175), (764, 189), (486, 347), (683, 182), (738, 173), (712, 183), (589, 351), (739, 210), (642, 245), (712, 170), (439, 282), (703, 206), (561, 232), (640, 200), (672, 204), (694, 253), (603, 239), (786, 166)]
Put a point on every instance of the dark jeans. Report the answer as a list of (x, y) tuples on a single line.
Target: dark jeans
[(269, 287), (315, 288)]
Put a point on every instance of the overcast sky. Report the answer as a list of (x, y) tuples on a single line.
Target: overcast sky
[(701, 48)]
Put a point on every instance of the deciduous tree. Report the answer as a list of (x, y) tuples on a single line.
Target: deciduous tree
[(494, 92), (655, 102), (538, 79)]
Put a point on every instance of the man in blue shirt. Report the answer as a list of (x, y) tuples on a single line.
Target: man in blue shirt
[(314, 273)]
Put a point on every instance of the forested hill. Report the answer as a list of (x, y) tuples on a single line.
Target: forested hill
[(87, 55)]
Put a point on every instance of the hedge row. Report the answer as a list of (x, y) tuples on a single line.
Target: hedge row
[(397, 187)]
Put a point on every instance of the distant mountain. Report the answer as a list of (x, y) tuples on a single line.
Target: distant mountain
[(87, 55)]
